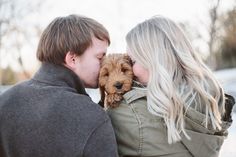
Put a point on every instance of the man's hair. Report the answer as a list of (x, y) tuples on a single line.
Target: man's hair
[(72, 33)]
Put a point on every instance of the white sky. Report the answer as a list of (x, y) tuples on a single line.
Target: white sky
[(119, 16)]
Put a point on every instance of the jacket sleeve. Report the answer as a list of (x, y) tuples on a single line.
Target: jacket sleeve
[(102, 142), (195, 120)]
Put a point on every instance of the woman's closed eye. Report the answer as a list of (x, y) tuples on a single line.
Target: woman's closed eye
[(133, 61)]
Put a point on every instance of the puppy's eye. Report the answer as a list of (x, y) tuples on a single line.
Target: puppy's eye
[(106, 74), (124, 70)]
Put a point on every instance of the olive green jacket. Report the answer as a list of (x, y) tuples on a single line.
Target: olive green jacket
[(139, 133)]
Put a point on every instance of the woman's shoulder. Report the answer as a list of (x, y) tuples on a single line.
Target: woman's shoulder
[(132, 100)]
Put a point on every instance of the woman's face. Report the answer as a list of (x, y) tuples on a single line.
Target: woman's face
[(141, 74)]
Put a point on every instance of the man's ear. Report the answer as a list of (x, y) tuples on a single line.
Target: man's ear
[(70, 60)]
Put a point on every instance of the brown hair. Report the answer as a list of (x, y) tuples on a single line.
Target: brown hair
[(72, 33)]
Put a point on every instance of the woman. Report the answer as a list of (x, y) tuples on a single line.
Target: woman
[(176, 108)]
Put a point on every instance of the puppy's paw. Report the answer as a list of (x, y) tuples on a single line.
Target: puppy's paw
[(113, 100)]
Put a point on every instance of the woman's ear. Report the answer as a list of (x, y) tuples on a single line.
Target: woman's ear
[(70, 60)]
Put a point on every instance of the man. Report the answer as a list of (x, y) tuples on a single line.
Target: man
[(51, 115)]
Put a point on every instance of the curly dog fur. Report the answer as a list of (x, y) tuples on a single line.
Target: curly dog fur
[(115, 78)]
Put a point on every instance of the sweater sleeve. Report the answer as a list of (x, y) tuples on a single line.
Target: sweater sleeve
[(102, 142)]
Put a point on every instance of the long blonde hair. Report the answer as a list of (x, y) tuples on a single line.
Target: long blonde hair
[(178, 78)]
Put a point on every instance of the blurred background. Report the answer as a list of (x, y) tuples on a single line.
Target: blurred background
[(210, 25)]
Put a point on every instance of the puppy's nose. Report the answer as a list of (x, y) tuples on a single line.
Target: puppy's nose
[(118, 85)]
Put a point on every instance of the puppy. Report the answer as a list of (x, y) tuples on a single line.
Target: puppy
[(115, 78)]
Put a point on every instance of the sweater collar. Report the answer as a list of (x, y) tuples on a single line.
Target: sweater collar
[(59, 75)]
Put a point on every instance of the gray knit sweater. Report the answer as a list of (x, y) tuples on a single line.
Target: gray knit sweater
[(52, 116)]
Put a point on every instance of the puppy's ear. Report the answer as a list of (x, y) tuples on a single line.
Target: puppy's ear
[(101, 85), (102, 92), (127, 59)]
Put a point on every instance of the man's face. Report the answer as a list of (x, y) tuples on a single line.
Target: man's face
[(88, 64)]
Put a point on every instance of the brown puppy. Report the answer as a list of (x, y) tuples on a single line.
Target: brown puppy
[(115, 78)]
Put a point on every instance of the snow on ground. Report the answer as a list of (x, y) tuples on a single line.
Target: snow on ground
[(228, 148)]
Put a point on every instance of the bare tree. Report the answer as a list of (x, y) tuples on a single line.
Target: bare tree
[(214, 16), (226, 55), (12, 30), (214, 30)]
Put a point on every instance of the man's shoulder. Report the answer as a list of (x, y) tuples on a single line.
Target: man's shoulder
[(84, 112), (14, 89), (83, 105)]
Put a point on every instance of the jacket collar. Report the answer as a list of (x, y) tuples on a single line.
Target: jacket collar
[(138, 91), (59, 75)]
